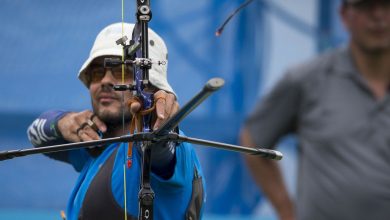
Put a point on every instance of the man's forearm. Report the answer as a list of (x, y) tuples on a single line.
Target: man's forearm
[(164, 159), (43, 131), (268, 176)]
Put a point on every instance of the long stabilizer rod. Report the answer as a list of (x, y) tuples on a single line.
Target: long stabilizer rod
[(266, 153), (211, 86), (5, 155)]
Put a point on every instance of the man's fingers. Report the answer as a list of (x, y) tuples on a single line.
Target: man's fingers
[(170, 100), (160, 112), (82, 117), (88, 119), (88, 134), (99, 123), (166, 106), (81, 126), (161, 108), (67, 125), (84, 136), (135, 107), (175, 108)]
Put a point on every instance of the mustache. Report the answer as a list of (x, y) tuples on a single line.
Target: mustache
[(108, 89)]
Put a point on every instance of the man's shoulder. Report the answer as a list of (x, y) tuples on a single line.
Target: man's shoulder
[(317, 66)]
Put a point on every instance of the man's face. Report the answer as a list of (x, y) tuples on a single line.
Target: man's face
[(369, 24), (106, 102)]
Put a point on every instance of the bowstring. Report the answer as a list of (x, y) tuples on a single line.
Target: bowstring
[(123, 121)]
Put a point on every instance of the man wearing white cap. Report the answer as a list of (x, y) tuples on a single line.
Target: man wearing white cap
[(99, 192), (338, 106)]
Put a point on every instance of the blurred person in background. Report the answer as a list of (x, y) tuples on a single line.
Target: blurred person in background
[(338, 106)]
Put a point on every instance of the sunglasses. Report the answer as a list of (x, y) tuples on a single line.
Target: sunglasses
[(96, 73)]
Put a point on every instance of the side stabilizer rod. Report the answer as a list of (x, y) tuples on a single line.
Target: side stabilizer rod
[(266, 153), (147, 136)]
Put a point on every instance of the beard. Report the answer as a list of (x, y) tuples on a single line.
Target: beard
[(114, 116), (114, 120)]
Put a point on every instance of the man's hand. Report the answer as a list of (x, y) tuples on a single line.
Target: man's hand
[(77, 126), (166, 107)]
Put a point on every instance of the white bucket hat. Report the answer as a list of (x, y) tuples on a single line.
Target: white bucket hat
[(105, 45)]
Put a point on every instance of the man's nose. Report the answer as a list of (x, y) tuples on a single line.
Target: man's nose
[(108, 78)]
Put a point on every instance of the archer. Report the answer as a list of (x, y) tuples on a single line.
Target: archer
[(99, 191)]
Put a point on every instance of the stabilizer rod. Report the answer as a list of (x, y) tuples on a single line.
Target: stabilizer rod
[(211, 86), (5, 155), (266, 153)]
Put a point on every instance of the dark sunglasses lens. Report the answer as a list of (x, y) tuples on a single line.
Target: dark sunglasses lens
[(118, 73), (98, 73)]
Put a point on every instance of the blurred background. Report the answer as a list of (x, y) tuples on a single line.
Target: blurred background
[(44, 43)]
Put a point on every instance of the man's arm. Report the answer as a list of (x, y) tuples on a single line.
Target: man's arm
[(43, 131), (267, 175), (275, 116), (46, 130)]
